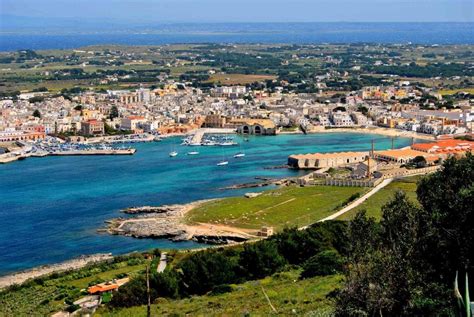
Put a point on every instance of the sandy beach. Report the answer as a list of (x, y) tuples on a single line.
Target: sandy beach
[(371, 130)]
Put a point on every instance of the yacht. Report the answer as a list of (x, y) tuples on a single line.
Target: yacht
[(239, 155), (222, 163)]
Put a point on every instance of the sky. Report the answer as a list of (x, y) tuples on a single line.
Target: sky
[(136, 11)]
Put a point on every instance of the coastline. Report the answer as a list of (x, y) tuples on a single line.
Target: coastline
[(371, 130), (168, 221), (73, 264)]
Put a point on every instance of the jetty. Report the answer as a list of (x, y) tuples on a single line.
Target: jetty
[(12, 157), (95, 152), (198, 135)]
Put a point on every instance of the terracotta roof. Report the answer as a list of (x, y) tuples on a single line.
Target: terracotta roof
[(401, 153), (100, 288)]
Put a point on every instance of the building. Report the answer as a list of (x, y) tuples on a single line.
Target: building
[(132, 123), (323, 160), (341, 119), (11, 136), (92, 127), (232, 92), (254, 126), (399, 156), (214, 121)]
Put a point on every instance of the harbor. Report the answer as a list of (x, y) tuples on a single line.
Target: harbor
[(37, 201), (55, 148)]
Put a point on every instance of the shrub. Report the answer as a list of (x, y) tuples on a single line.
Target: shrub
[(221, 289), (327, 262)]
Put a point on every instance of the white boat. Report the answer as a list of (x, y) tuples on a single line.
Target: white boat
[(173, 154), (227, 143), (240, 154), (222, 163), (193, 153)]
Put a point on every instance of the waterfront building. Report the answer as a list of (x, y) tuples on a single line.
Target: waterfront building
[(92, 127), (254, 126), (323, 160)]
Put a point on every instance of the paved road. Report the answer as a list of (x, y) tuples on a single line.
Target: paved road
[(359, 201), (162, 266)]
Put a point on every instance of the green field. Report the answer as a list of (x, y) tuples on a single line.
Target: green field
[(287, 206), (288, 294), (374, 204)]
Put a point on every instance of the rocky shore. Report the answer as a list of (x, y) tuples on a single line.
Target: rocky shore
[(167, 222)]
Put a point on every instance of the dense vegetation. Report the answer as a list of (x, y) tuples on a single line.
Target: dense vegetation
[(406, 265), (210, 270)]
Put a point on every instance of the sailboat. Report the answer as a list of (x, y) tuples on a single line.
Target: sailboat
[(224, 161), (240, 154)]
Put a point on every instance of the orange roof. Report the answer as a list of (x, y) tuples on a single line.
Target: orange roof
[(100, 288), (136, 117), (444, 145), (401, 153)]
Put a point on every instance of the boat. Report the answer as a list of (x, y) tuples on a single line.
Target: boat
[(246, 140), (193, 153), (239, 155), (222, 163), (173, 154), (227, 143)]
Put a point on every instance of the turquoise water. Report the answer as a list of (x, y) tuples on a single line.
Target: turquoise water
[(50, 208)]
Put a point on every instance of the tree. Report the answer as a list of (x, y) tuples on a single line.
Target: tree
[(114, 113), (326, 262), (408, 265), (260, 259), (36, 114), (419, 161)]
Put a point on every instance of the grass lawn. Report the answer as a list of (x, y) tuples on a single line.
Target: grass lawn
[(374, 204), (288, 294), (286, 206)]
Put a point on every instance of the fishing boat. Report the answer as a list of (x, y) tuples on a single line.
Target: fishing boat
[(193, 153), (222, 163), (173, 154)]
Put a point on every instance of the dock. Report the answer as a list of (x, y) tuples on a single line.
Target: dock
[(94, 152), (12, 157), (199, 134)]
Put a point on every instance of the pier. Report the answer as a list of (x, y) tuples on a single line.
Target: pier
[(199, 134), (12, 157)]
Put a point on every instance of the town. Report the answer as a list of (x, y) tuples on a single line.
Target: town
[(208, 93)]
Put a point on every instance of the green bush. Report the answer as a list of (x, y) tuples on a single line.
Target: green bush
[(326, 262)]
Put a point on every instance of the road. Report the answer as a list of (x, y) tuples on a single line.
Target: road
[(359, 201)]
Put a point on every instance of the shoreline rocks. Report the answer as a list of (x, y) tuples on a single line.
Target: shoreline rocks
[(166, 222)]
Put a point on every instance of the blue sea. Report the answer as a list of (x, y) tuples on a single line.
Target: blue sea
[(78, 35), (51, 208)]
